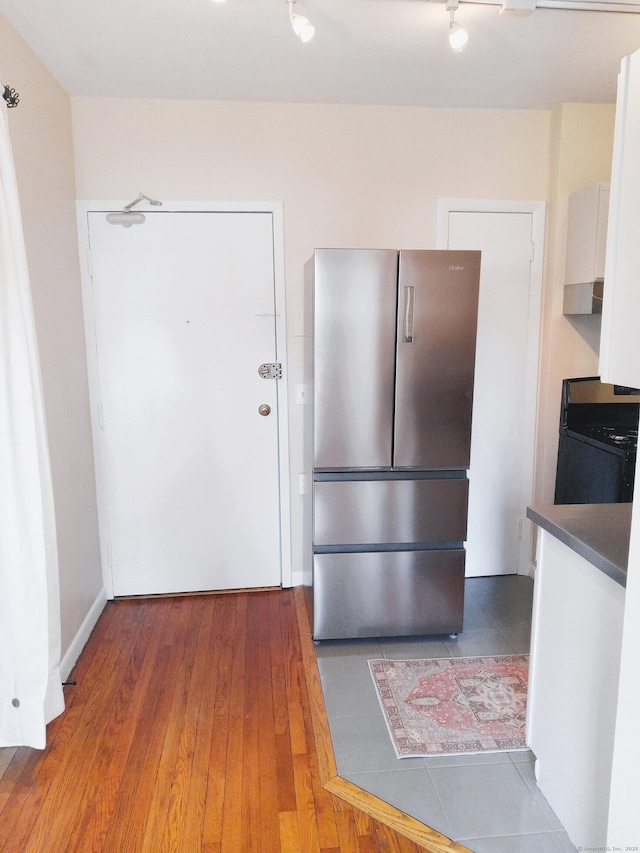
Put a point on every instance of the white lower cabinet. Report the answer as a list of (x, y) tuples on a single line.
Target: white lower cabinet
[(573, 686)]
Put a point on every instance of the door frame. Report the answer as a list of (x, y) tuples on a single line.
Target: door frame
[(537, 210), (275, 208)]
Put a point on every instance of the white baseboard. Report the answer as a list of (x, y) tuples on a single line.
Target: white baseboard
[(78, 643)]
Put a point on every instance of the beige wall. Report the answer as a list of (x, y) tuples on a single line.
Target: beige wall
[(579, 155), (348, 176), (40, 129)]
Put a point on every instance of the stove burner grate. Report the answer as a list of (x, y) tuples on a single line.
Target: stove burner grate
[(614, 435)]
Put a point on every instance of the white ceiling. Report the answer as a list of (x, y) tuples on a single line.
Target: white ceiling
[(363, 52)]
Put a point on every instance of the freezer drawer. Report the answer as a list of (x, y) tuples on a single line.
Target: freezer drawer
[(357, 512), (384, 594)]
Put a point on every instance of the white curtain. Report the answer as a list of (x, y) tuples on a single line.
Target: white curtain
[(30, 684)]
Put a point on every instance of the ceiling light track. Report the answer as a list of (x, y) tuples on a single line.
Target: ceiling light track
[(458, 36), (632, 6)]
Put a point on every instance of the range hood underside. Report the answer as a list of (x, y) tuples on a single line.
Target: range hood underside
[(583, 298)]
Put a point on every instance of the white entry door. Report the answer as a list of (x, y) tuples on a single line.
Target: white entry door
[(183, 315), (504, 402)]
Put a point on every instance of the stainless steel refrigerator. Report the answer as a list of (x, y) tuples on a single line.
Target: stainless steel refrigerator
[(392, 365)]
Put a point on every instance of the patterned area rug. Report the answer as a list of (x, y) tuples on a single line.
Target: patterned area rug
[(449, 706)]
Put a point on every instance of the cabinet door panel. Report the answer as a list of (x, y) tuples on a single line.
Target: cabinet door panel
[(619, 361)]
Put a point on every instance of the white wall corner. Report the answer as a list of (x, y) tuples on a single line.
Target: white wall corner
[(529, 571), (297, 578), (84, 632)]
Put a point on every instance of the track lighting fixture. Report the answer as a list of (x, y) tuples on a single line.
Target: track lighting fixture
[(302, 26), (458, 36)]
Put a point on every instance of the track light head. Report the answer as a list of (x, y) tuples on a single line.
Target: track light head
[(302, 26), (458, 36)]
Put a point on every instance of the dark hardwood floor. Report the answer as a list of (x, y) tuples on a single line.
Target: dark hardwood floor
[(197, 725)]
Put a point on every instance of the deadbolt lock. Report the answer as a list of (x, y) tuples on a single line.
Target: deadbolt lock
[(271, 371)]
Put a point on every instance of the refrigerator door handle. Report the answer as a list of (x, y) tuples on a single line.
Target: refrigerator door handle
[(409, 297)]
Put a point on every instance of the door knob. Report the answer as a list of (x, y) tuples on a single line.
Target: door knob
[(264, 409)]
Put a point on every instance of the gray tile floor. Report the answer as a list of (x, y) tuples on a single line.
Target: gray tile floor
[(489, 803)]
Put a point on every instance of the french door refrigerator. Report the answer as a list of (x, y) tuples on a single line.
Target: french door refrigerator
[(392, 355)]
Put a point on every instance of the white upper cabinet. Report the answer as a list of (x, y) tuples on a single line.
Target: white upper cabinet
[(587, 219), (619, 346), (587, 234)]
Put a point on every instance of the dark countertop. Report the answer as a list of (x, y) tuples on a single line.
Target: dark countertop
[(598, 532)]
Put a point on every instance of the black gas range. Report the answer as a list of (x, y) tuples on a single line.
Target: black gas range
[(618, 436), (598, 442)]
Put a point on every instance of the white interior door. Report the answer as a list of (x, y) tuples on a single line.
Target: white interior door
[(184, 314), (502, 439)]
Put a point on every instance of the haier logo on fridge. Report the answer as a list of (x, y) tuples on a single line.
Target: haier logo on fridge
[(457, 267)]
